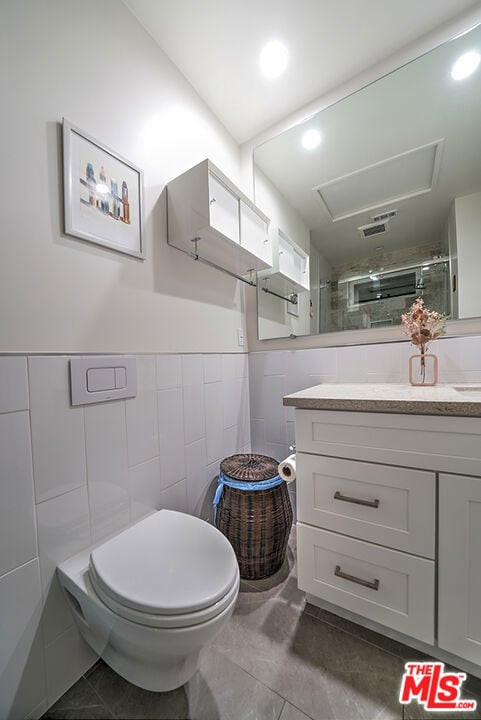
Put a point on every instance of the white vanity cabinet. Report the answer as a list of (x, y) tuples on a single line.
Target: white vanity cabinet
[(208, 215), (460, 566), (366, 535), (389, 516)]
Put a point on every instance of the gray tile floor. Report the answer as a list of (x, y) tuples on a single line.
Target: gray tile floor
[(278, 658)]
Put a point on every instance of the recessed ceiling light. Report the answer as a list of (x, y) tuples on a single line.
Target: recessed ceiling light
[(465, 65), (273, 59), (311, 139)]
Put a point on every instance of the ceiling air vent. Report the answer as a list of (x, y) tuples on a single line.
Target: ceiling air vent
[(377, 228)]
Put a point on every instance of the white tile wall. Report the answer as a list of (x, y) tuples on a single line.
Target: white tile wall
[(107, 471), (192, 370), (18, 539), (22, 669), (194, 413), (13, 384), (58, 440), (459, 361), (170, 406), (196, 474), (144, 488), (169, 371), (63, 530), (71, 476), (141, 414), (234, 366), (214, 421), (175, 497), (212, 368)]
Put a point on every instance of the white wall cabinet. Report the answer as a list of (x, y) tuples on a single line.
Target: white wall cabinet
[(223, 209), (373, 491), (254, 233), (231, 231), (290, 266)]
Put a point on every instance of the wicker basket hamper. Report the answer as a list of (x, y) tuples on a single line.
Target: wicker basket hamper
[(256, 521)]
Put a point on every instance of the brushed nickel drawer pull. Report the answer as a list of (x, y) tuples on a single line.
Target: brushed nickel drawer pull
[(374, 585), (356, 501)]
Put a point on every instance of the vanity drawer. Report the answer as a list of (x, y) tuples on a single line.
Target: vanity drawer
[(442, 444), (383, 504), (389, 587)]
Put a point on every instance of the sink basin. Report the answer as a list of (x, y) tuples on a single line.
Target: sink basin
[(474, 391)]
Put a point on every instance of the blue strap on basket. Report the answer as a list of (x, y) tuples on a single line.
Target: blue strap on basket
[(242, 485)]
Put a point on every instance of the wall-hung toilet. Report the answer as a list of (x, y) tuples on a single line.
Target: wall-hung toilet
[(150, 598)]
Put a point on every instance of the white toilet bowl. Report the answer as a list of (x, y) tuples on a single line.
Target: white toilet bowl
[(150, 598)]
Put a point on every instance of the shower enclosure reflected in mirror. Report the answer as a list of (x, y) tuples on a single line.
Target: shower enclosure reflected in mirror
[(382, 191)]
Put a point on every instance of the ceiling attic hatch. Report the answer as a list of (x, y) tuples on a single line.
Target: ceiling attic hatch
[(396, 178)]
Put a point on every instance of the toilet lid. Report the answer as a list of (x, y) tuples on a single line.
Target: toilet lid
[(169, 563)]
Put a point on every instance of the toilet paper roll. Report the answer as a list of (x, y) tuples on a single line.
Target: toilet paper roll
[(287, 469)]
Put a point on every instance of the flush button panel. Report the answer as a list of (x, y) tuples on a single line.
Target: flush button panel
[(99, 379)]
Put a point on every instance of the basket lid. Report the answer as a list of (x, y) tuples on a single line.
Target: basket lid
[(249, 466)]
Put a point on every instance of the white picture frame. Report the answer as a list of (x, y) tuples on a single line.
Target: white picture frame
[(103, 194)]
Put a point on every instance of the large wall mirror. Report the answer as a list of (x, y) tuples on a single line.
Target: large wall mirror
[(376, 200)]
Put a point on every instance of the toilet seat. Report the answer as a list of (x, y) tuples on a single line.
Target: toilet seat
[(169, 570)]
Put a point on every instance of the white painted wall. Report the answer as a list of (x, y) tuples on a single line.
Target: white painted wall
[(94, 64), (468, 246)]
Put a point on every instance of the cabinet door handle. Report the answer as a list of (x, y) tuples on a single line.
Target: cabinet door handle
[(212, 201), (374, 585), (356, 501)]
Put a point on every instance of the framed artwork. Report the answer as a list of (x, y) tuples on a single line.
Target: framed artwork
[(102, 194)]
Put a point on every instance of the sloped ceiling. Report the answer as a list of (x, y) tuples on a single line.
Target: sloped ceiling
[(216, 45)]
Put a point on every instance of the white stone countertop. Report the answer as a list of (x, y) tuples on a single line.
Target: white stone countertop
[(465, 401)]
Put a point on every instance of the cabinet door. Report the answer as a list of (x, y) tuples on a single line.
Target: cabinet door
[(460, 566), (286, 259), (298, 267), (253, 234), (223, 209)]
